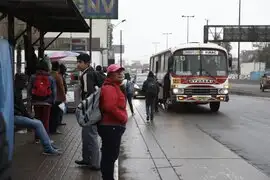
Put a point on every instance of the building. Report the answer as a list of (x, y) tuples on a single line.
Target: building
[(73, 41)]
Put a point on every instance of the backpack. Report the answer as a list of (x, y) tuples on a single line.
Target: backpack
[(88, 112), (152, 88), (4, 151), (129, 87), (41, 88)]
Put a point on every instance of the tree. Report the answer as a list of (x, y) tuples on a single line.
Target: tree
[(264, 56)]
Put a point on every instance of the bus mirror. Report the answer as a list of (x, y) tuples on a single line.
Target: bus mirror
[(230, 61)]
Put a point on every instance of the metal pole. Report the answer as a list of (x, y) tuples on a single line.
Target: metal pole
[(90, 39), (187, 29), (121, 48), (238, 59)]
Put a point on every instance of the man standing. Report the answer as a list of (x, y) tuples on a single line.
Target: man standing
[(90, 147)]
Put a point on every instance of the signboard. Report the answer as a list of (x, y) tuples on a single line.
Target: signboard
[(78, 47), (117, 50), (237, 33), (98, 9)]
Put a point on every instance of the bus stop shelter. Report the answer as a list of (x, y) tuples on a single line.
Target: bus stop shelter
[(46, 16)]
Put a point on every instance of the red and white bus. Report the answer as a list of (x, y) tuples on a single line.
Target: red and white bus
[(193, 73)]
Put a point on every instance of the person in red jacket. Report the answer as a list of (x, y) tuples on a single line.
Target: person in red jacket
[(114, 119)]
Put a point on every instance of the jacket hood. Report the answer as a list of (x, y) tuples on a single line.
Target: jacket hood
[(109, 80)]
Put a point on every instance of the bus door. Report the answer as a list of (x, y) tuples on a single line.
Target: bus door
[(6, 107)]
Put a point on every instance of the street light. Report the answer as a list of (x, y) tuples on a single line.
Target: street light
[(188, 17), (155, 44), (239, 24), (167, 39), (121, 34)]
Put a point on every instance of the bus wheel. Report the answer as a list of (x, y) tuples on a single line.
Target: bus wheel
[(214, 106), (167, 105)]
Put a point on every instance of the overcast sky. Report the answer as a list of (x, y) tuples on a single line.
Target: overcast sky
[(148, 19)]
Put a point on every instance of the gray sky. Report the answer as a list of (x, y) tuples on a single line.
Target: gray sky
[(148, 19)]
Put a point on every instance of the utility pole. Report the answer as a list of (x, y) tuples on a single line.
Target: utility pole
[(238, 59), (188, 17), (121, 58), (167, 39), (156, 45)]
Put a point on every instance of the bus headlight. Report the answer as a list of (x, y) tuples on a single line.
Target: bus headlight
[(178, 91), (223, 91)]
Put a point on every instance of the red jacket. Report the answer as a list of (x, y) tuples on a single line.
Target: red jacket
[(112, 104)]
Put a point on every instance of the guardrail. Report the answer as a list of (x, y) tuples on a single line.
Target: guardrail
[(244, 81)]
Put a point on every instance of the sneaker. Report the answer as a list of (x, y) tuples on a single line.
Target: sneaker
[(82, 163), (52, 152), (56, 148)]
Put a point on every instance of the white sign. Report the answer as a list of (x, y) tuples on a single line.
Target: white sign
[(191, 52), (210, 52)]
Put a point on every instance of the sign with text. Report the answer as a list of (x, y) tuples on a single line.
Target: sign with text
[(117, 49), (235, 33), (98, 9)]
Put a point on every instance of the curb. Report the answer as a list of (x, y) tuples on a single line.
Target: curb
[(245, 93)]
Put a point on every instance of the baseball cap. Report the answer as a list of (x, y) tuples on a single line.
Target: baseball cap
[(84, 57), (114, 67)]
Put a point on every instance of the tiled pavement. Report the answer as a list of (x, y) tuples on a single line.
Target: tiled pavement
[(30, 164)]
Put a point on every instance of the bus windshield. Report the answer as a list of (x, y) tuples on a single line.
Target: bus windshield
[(206, 62)]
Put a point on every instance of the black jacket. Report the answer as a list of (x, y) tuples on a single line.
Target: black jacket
[(88, 81), (19, 107)]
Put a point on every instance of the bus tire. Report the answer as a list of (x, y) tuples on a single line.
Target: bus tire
[(214, 106)]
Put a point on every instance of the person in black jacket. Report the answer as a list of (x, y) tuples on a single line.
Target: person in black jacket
[(24, 119), (100, 74), (150, 89), (90, 146)]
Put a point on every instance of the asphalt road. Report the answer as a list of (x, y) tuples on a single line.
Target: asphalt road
[(176, 139), (249, 89)]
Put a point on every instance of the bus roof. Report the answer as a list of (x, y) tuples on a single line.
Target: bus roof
[(192, 45)]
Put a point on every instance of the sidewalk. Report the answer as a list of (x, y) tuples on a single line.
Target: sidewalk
[(170, 149), (30, 164)]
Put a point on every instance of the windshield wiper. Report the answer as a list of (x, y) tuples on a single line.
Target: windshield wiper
[(209, 74)]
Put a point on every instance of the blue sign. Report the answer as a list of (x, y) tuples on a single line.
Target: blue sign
[(78, 47), (98, 9)]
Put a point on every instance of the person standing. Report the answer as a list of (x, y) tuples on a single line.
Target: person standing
[(150, 89), (114, 119), (90, 147), (129, 91), (56, 112)]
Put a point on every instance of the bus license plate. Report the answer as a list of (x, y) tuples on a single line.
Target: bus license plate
[(202, 98)]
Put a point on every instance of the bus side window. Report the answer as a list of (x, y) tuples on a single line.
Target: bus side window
[(170, 64), (157, 67)]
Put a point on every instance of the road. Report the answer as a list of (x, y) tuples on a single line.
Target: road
[(247, 87), (196, 144)]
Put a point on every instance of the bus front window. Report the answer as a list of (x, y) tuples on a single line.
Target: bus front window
[(200, 62)]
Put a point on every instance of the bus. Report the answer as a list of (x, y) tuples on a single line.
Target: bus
[(192, 73)]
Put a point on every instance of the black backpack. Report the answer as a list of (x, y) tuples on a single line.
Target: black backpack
[(3, 146), (152, 88)]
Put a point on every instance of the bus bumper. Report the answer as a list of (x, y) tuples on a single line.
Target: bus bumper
[(200, 99)]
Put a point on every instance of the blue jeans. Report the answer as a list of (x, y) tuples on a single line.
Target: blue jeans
[(38, 127)]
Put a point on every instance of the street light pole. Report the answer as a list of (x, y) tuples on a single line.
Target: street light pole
[(167, 39), (188, 25), (155, 44), (121, 58), (238, 59)]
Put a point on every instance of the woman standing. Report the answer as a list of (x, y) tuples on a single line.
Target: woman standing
[(128, 85), (114, 119)]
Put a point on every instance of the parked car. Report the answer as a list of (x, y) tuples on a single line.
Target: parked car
[(138, 83), (265, 81)]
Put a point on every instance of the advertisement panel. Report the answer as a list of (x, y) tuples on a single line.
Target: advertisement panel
[(98, 9)]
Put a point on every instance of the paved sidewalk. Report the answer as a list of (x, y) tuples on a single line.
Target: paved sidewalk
[(30, 164), (172, 149)]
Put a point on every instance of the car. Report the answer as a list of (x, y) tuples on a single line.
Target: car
[(138, 83), (265, 81)]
